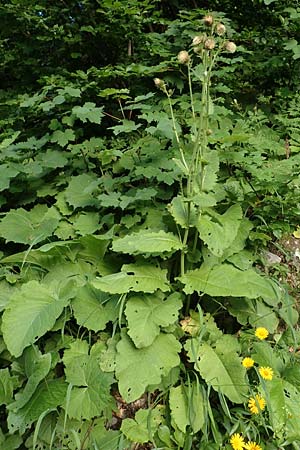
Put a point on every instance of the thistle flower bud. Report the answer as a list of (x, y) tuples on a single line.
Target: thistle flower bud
[(220, 29), (230, 47), (208, 20), (183, 57), (209, 44), (197, 40), (160, 84)]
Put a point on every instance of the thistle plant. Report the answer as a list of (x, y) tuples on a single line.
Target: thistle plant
[(205, 49)]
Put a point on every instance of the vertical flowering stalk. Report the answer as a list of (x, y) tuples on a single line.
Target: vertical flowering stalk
[(207, 47)]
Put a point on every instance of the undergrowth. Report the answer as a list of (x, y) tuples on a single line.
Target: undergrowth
[(135, 313)]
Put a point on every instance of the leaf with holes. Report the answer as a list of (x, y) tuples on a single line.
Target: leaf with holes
[(147, 313), (221, 368), (6, 387), (136, 369), (134, 277)]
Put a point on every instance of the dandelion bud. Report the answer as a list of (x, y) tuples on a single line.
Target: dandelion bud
[(197, 40), (160, 84), (230, 47), (183, 57), (209, 44), (209, 132), (208, 20), (220, 29)]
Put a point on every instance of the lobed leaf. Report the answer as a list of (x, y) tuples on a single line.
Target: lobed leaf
[(136, 369), (147, 313)]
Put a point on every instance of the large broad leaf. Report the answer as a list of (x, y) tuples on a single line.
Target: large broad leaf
[(79, 192), (147, 313), (6, 387), (136, 369), (255, 312), (225, 280), (31, 312), (143, 426), (219, 231), (93, 308), (134, 277), (283, 406), (187, 407), (90, 393), (7, 172), (183, 212), (221, 368), (88, 112), (29, 227), (36, 367), (146, 241), (48, 395)]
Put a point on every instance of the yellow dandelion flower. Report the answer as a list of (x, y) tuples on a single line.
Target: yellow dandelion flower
[(256, 404), (261, 333), (248, 362), (266, 373), (252, 446), (237, 441)]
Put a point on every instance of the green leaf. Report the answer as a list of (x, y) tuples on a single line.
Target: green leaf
[(63, 137), (93, 308), (147, 313), (134, 277), (48, 395), (226, 280), (219, 231), (138, 368), (37, 367), (7, 172), (32, 311), (90, 393), (127, 127), (6, 387), (222, 370), (29, 227), (187, 407), (181, 213), (87, 223), (52, 159), (143, 426), (88, 112), (79, 192), (255, 312), (146, 241)]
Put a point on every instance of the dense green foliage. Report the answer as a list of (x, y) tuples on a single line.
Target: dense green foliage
[(133, 213)]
